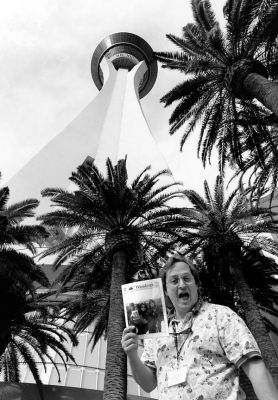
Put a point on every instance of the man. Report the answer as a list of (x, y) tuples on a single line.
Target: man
[(207, 344)]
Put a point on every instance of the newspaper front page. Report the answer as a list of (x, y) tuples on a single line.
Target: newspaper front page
[(144, 307)]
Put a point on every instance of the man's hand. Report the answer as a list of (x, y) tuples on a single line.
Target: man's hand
[(143, 375), (129, 340)]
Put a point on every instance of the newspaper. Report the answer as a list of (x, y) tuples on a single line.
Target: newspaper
[(144, 307)]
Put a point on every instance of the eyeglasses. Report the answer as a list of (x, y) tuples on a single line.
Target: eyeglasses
[(175, 280)]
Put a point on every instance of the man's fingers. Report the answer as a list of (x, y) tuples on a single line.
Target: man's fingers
[(129, 336), (129, 339), (129, 345), (129, 342), (128, 333), (129, 329), (130, 348)]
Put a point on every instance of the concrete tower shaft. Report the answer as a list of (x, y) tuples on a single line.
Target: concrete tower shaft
[(112, 125)]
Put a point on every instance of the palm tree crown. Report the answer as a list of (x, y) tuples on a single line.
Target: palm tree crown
[(217, 222), (112, 223), (106, 214), (224, 74), (262, 178), (16, 236), (18, 271), (34, 335)]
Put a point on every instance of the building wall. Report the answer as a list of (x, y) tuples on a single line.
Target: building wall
[(23, 391)]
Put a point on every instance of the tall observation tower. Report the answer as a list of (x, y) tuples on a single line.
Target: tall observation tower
[(112, 125)]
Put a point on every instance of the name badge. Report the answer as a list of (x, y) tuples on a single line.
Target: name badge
[(176, 377)]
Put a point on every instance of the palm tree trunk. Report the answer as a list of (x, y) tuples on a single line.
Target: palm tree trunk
[(263, 90), (115, 383), (255, 323)]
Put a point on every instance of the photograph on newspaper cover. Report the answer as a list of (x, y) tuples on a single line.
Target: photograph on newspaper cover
[(144, 307)]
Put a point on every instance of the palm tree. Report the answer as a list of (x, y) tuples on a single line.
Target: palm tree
[(224, 74), (27, 326), (34, 335), (16, 236), (112, 222), (17, 269), (261, 276), (261, 177), (223, 233)]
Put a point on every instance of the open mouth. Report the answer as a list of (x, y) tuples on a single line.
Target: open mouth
[(183, 295)]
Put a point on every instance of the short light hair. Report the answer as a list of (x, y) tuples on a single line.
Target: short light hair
[(171, 261)]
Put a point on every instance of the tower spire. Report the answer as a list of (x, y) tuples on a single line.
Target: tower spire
[(113, 125)]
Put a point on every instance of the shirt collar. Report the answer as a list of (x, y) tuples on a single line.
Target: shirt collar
[(187, 320)]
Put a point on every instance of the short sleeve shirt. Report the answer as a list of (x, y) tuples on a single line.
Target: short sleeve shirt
[(210, 354)]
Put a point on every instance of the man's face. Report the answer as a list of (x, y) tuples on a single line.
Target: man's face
[(181, 288)]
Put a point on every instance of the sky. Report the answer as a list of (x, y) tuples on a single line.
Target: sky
[(46, 49)]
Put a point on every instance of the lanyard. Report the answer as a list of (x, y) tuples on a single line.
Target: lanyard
[(187, 331), (175, 334)]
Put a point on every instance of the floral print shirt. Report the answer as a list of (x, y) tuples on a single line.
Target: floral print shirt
[(211, 345)]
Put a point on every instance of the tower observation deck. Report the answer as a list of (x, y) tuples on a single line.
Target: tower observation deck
[(125, 50)]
